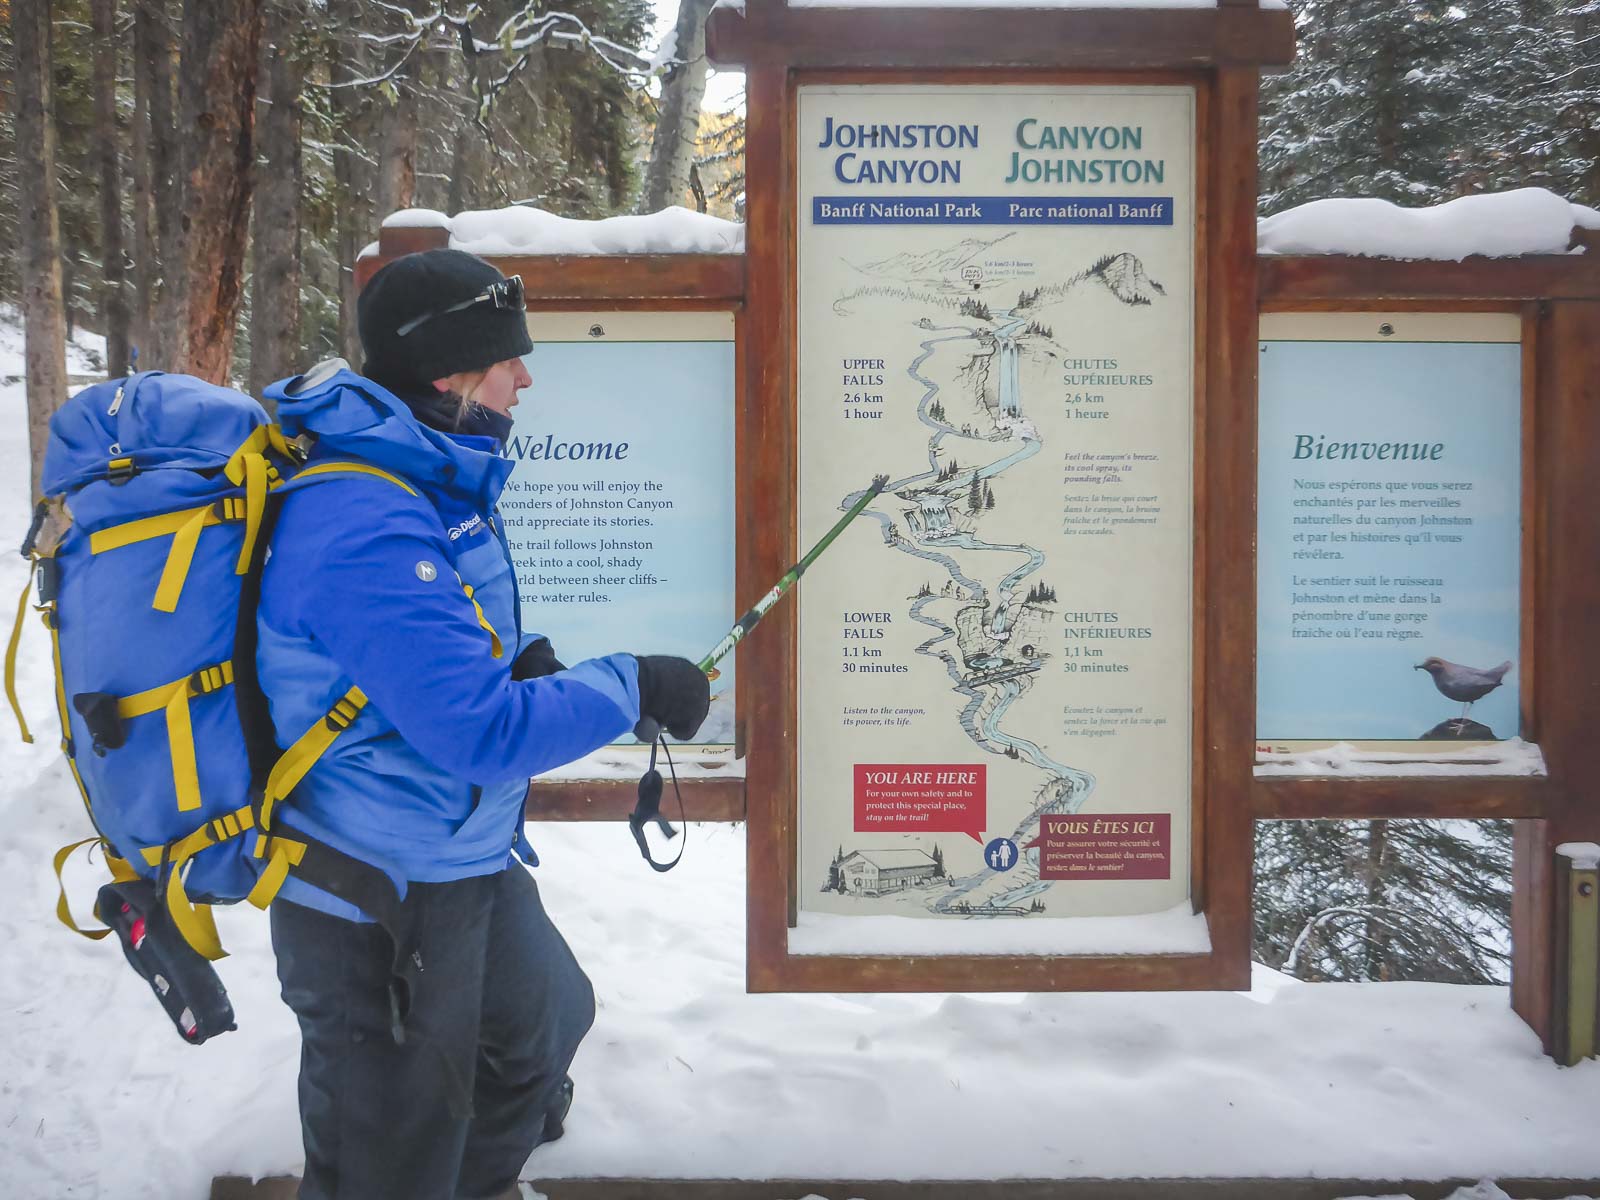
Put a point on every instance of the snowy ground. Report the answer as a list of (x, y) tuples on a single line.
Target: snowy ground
[(86, 352), (686, 1076)]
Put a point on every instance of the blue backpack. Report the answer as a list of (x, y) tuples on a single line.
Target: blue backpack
[(162, 483)]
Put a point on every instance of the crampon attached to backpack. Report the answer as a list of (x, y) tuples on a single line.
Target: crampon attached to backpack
[(182, 980)]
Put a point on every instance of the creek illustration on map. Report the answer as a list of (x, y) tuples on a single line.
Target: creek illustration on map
[(986, 611)]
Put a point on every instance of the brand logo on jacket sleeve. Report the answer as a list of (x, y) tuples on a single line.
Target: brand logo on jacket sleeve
[(473, 524)]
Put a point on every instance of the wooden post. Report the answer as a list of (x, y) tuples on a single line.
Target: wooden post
[(767, 477), (1227, 423), (1567, 650), (1577, 952)]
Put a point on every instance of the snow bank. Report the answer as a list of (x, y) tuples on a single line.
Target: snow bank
[(520, 229), (1484, 1189), (630, 762), (86, 352), (1511, 757), (1497, 225)]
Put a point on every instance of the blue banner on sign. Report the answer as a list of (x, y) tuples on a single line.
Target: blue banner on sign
[(991, 210)]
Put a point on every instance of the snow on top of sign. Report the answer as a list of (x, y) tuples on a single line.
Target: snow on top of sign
[(1178, 930), (1496, 225), (738, 5), (1585, 856), (522, 229), (1004, 4), (1511, 757), (416, 218)]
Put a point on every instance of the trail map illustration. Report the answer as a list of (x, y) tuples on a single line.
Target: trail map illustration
[(995, 657)]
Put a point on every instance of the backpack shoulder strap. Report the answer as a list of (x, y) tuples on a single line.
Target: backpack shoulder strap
[(323, 470)]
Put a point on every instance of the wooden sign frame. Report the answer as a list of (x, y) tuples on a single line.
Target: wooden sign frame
[(1558, 298), (783, 49)]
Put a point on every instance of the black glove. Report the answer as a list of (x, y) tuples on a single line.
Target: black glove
[(536, 661), (674, 693)]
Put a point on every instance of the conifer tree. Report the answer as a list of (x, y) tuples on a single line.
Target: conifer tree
[(1370, 107), (1384, 900)]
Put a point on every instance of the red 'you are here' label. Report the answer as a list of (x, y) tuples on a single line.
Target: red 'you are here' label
[(922, 798)]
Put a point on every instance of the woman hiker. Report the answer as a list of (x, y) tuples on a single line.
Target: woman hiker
[(435, 1039)]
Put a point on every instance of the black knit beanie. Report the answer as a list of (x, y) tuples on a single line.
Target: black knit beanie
[(471, 339)]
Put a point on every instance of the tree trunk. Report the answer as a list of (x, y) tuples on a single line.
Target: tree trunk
[(1377, 864), (666, 178), (152, 35), (146, 270), (397, 149), (221, 39), (351, 175), (275, 286), (38, 226), (108, 147)]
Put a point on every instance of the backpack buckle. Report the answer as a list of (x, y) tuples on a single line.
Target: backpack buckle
[(209, 679), (229, 508), (120, 470), (340, 717)]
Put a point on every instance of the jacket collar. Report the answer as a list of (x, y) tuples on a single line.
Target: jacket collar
[(351, 416)]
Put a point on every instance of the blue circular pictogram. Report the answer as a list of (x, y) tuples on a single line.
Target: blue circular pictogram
[(1000, 854)]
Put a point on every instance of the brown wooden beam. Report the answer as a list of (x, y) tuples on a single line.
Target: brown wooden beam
[(1226, 508), (1298, 799), (766, 470), (1059, 39), (613, 800), (601, 280), (1311, 280), (993, 973), (1567, 647), (395, 240)]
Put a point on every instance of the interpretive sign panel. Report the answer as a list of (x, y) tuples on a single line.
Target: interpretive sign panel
[(620, 509), (996, 309), (1390, 515)]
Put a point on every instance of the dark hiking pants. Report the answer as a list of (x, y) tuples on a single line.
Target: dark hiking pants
[(496, 1015)]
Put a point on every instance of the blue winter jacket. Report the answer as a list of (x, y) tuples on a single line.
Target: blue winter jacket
[(366, 584)]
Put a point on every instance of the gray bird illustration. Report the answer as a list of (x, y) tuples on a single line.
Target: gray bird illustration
[(1465, 685)]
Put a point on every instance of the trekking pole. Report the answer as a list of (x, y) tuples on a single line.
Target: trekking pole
[(648, 730)]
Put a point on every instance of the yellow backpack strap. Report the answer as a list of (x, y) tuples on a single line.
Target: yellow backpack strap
[(63, 910), (183, 526), (247, 467), (174, 699), (194, 921), (299, 758), (47, 614), (11, 652), (350, 468), (281, 854)]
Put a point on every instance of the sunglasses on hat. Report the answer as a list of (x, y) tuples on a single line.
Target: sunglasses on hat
[(502, 293)]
